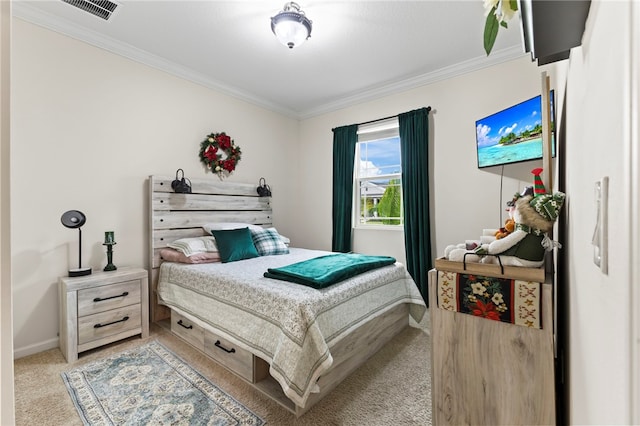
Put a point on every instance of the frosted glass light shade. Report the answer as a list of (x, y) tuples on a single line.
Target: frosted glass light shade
[(291, 26)]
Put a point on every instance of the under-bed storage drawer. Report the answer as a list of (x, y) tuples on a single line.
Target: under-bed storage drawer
[(229, 355), (186, 329)]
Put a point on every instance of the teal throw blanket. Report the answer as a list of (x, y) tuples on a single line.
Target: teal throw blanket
[(323, 271)]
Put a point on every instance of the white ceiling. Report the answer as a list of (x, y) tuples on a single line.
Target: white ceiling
[(358, 50)]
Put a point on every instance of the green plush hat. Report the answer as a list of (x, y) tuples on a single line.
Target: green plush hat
[(548, 205)]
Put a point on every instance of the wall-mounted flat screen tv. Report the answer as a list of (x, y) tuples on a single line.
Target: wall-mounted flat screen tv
[(513, 135)]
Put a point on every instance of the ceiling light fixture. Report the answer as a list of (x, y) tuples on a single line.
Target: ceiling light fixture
[(291, 26)]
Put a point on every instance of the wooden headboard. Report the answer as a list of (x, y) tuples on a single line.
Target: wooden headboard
[(174, 215)]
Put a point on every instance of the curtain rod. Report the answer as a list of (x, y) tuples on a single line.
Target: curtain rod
[(379, 119), (382, 119)]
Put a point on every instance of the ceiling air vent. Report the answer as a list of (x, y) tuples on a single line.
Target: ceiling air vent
[(101, 8)]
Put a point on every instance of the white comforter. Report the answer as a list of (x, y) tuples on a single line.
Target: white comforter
[(291, 326)]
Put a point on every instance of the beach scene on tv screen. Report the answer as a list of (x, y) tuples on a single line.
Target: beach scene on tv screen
[(512, 135)]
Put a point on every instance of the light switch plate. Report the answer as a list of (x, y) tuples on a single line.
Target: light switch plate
[(600, 238)]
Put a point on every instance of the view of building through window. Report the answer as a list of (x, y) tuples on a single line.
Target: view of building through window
[(378, 183)]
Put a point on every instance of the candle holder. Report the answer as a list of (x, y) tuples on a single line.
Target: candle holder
[(109, 241)]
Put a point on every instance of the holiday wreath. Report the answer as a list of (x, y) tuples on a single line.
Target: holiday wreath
[(219, 154)]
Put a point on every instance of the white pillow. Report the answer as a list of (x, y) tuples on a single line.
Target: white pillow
[(223, 226), (193, 245)]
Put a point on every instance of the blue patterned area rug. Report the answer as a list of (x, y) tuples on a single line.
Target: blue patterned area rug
[(150, 385)]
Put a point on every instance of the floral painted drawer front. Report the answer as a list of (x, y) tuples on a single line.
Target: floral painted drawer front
[(499, 299)]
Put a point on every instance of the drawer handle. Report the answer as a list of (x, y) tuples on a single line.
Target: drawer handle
[(229, 351), (98, 299), (110, 323), (188, 327)]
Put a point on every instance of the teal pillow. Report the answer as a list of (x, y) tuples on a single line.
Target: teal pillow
[(235, 244)]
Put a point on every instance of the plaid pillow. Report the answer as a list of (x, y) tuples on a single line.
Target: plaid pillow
[(268, 242)]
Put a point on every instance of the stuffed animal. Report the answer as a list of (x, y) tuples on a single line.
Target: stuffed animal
[(534, 216), (509, 226)]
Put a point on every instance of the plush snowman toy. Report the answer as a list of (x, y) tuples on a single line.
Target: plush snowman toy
[(534, 216)]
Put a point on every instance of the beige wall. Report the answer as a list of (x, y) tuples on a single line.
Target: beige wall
[(6, 335), (464, 199), (89, 127), (599, 144)]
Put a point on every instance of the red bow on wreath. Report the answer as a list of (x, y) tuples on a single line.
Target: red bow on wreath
[(219, 154)]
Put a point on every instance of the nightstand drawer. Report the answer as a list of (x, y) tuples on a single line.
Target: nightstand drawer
[(106, 297), (187, 330), (98, 326), (229, 355)]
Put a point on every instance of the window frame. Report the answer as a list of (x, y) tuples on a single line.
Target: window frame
[(380, 130)]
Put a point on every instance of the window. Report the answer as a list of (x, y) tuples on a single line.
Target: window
[(378, 176)]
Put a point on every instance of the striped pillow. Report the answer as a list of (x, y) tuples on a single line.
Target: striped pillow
[(268, 242), (193, 245)]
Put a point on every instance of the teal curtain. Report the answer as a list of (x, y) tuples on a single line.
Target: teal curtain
[(344, 151), (414, 160)]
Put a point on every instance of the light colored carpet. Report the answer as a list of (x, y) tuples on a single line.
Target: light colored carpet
[(149, 384), (392, 388)]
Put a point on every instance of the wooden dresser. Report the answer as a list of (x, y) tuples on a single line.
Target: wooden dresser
[(486, 372), (101, 308)]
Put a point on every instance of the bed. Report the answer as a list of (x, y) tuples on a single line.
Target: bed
[(292, 342)]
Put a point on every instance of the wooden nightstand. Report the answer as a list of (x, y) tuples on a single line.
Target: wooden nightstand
[(101, 308)]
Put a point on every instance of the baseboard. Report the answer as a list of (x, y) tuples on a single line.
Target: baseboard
[(36, 348)]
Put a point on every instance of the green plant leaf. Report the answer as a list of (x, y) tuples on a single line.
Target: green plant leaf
[(390, 203), (504, 24), (513, 4), (490, 31)]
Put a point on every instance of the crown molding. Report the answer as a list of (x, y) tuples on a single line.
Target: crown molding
[(26, 12), (497, 57)]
